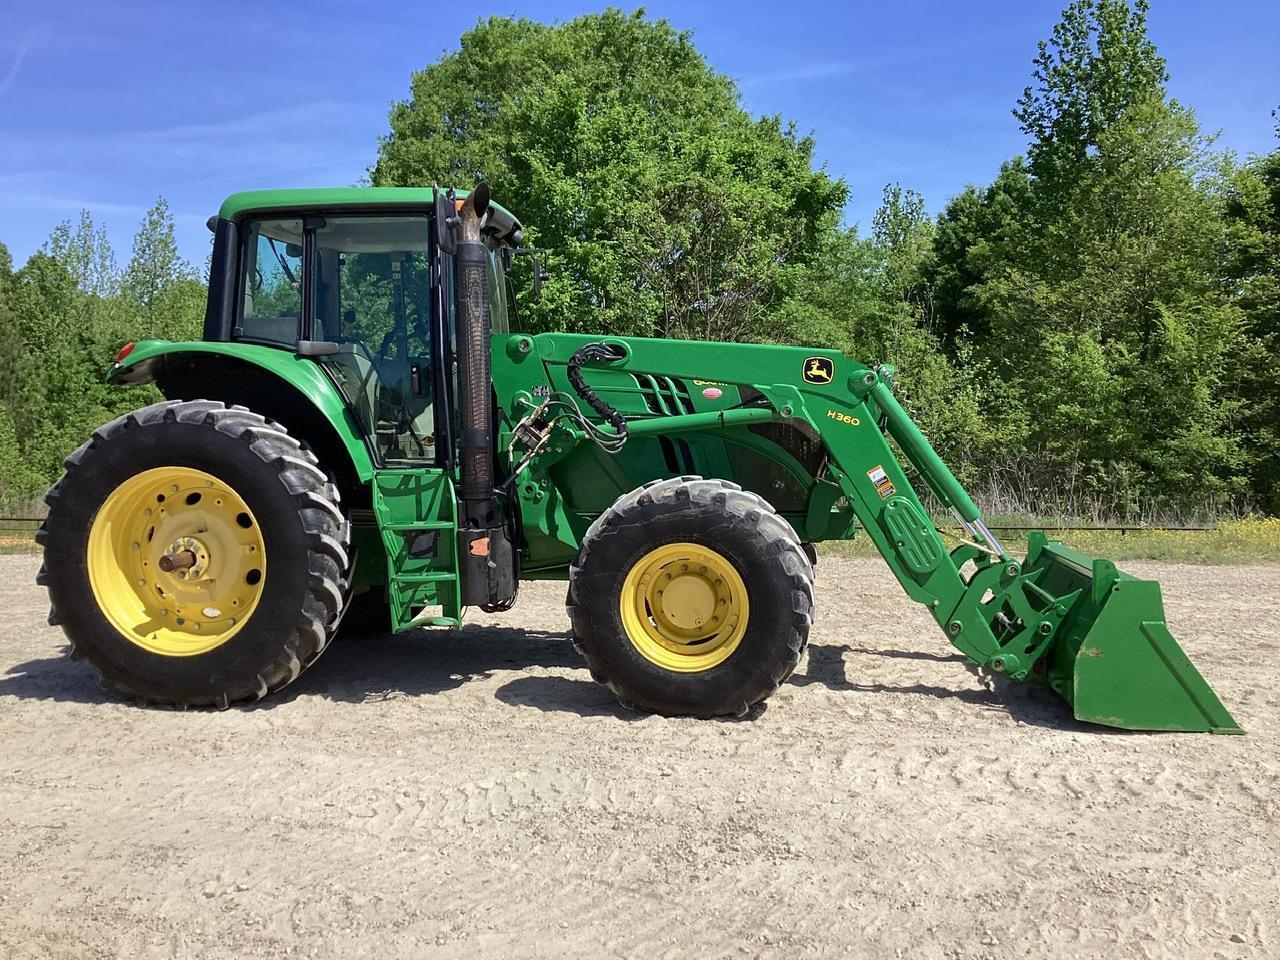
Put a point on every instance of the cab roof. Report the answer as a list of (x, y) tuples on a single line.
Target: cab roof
[(331, 198)]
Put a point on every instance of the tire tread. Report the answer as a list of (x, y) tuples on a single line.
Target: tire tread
[(780, 537), (326, 529)]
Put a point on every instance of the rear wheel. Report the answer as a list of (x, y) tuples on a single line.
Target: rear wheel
[(195, 554), (691, 597)]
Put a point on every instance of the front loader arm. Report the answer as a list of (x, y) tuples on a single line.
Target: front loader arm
[(995, 616), (1095, 635)]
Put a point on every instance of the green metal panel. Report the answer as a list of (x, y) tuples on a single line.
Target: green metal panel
[(300, 373), (915, 538)]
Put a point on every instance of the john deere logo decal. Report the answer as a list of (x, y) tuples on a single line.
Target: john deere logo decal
[(818, 370)]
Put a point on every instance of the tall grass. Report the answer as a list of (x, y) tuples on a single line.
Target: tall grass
[(1233, 541), (1028, 488)]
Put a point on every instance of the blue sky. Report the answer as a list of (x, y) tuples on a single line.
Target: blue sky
[(106, 105)]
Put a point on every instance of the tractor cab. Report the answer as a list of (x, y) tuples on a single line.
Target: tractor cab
[(371, 296), (368, 286)]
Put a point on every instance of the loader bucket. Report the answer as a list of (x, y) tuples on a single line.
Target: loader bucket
[(1113, 658)]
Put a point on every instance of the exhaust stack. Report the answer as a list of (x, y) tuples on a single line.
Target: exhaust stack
[(487, 559), (475, 474)]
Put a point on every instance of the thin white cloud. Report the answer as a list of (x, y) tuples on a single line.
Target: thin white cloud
[(275, 141), (304, 115), (12, 74), (40, 201), (259, 175), (808, 71)]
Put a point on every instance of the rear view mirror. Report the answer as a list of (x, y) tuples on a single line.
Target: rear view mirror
[(539, 264), (539, 274)]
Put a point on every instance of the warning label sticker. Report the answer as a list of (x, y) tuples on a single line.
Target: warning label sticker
[(881, 481)]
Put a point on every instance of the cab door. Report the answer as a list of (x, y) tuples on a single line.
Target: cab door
[(375, 304)]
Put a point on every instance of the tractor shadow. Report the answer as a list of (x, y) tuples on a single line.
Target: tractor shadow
[(55, 678), (421, 662), (371, 669), (1028, 703)]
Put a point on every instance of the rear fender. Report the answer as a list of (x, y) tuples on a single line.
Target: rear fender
[(278, 384)]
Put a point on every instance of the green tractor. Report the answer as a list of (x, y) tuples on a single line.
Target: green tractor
[(364, 439)]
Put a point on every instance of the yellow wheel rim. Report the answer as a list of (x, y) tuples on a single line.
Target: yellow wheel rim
[(176, 561), (684, 607)]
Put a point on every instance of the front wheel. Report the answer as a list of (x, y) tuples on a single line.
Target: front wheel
[(195, 554), (691, 597)]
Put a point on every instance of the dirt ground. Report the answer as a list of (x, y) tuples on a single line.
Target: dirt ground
[(476, 795)]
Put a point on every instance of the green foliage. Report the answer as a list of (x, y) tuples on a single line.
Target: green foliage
[(977, 232), (87, 255), (155, 265), (1089, 283), (667, 209), (1252, 199), (1097, 65), (63, 317), (12, 349), (1119, 362)]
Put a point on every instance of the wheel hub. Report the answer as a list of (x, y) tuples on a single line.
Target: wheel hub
[(684, 607), (690, 599), (186, 558)]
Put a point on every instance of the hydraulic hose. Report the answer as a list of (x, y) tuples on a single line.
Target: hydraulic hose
[(599, 352)]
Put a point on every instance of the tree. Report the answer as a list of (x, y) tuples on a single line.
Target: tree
[(155, 264), (1097, 65), (86, 252), (1120, 366), (978, 232), (1087, 281), (12, 352), (667, 209), (1252, 207), (903, 233)]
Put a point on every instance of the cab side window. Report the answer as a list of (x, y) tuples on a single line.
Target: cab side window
[(271, 282)]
